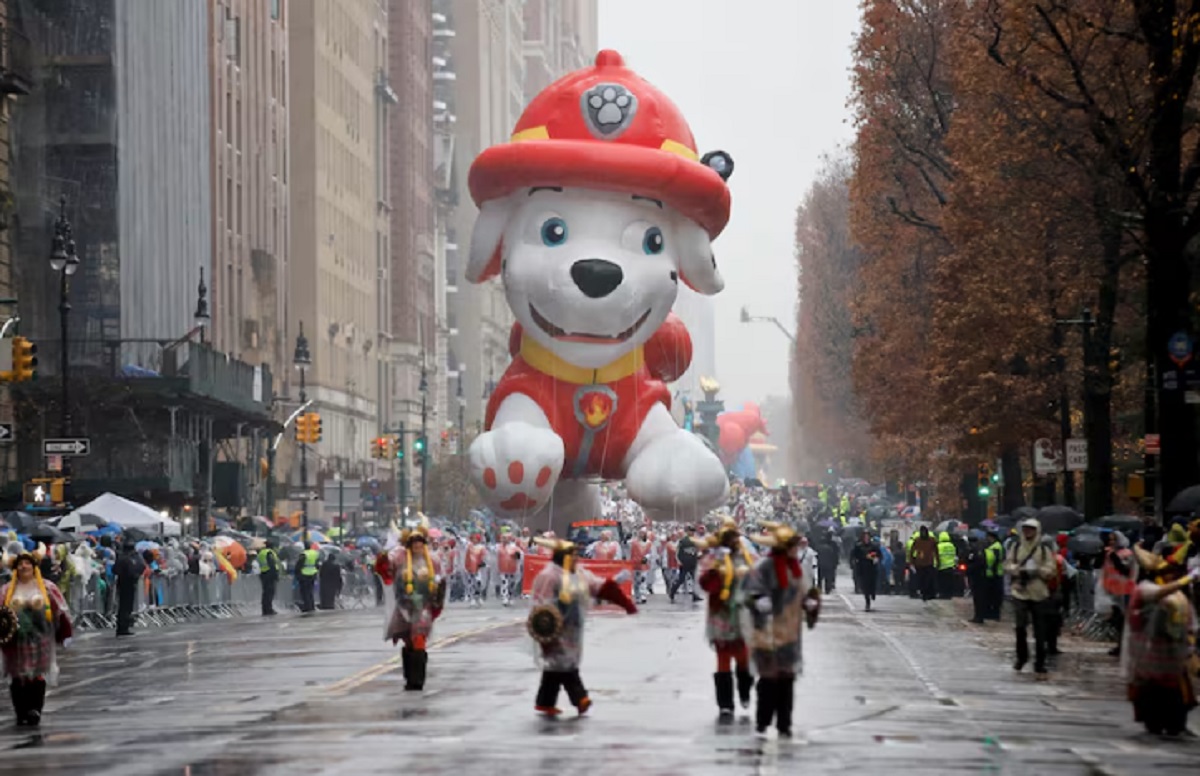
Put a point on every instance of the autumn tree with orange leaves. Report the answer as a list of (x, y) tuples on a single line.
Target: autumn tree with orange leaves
[(831, 427)]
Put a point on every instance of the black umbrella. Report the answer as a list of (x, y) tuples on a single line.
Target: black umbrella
[(21, 522), (1055, 519), (45, 532), (949, 526), (1186, 501), (1023, 513), (1086, 540), (1120, 523), (137, 535), (1006, 521)]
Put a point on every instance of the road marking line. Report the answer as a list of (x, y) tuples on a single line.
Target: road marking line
[(919, 672), (379, 669)]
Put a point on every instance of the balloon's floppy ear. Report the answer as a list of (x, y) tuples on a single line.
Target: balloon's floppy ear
[(484, 259), (697, 263)]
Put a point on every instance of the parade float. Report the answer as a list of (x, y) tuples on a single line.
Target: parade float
[(591, 216)]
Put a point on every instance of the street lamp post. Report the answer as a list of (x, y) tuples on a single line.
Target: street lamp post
[(64, 260), (746, 317), (201, 315), (462, 403), (303, 360), (424, 388)]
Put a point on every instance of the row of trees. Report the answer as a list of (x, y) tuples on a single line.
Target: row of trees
[(1016, 162)]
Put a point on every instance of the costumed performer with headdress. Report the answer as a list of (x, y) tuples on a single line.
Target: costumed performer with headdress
[(781, 596), (1160, 642), (420, 595), (561, 595), (722, 570), (33, 621)]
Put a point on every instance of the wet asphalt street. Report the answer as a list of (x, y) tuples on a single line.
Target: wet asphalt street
[(908, 688)]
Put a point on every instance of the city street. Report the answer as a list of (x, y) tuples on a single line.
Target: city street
[(904, 688)]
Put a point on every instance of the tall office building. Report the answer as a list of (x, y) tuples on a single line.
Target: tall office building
[(248, 63), (504, 52), (118, 124), (340, 219), (413, 323)]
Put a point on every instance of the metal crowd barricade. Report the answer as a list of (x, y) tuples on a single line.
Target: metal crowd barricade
[(167, 599)]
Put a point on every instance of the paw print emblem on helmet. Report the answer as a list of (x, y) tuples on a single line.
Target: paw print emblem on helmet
[(608, 110)]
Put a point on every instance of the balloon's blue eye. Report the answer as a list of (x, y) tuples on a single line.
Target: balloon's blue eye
[(652, 243), (554, 232)]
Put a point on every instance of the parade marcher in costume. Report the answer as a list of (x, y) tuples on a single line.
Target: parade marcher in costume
[(508, 561), (1160, 642), (606, 548), (420, 596), (474, 563), (561, 595), (781, 598), (721, 573), (36, 621), (640, 552)]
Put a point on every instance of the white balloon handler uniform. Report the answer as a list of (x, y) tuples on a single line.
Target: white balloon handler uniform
[(592, 216), (413, 576), (561, 597), (781, 597), (508, 563), (475, 566)]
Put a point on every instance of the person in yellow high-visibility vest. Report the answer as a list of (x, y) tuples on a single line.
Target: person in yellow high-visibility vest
[(307, 566), (268, 576), (947, 559)]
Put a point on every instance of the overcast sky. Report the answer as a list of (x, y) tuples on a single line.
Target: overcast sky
[(767, 81)]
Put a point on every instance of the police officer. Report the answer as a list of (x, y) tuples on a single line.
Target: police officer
[(128, 571), (947, 560), (994, 554), (268, 576), (306, 577)]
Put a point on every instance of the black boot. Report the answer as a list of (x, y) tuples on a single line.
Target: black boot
[(724, 684), (420, 658), (17, 690), (766, 704), (783, 705), (36, 699), (745, 683), (406, 660)]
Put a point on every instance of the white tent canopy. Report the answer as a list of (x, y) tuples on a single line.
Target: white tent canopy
[(126, 513)]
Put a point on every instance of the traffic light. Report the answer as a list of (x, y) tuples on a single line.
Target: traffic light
[(984, 480), (419, 447), (378, 447), (302, 428), (24, 365), (314, 428)]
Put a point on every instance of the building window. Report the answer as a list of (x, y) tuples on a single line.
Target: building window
[(275, 9)]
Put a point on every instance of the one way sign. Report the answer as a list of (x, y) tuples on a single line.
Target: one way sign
[(73, 447), (6, 432)]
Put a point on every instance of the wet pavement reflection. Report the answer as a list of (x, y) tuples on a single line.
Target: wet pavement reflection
[(908, 688)]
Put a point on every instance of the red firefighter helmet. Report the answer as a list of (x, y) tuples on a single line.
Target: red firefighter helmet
[(604, 127)]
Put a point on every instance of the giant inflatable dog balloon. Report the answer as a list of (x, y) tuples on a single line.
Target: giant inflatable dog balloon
[(591, 216)]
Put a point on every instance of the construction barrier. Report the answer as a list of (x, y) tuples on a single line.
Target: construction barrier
[(601, 568)]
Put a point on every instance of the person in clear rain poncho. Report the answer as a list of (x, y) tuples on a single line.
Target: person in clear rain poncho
[(415, 578), (561, 596), (781, 596), (722, 570)]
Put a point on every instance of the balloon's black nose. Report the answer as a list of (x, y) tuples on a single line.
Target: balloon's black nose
[(596, 278)]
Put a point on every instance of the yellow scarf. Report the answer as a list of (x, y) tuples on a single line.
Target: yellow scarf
[(727, 586), (408, 570), (565, 593), (37, 574)]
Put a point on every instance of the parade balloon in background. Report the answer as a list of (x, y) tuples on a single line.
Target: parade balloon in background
[(737, 428), (591, 216)]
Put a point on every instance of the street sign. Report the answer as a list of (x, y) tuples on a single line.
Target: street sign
[(6, 432), (1047, 458), (1077, 455), (1153, 444), (54, 463), (1179, 348), (69, 447), (302, 495)]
